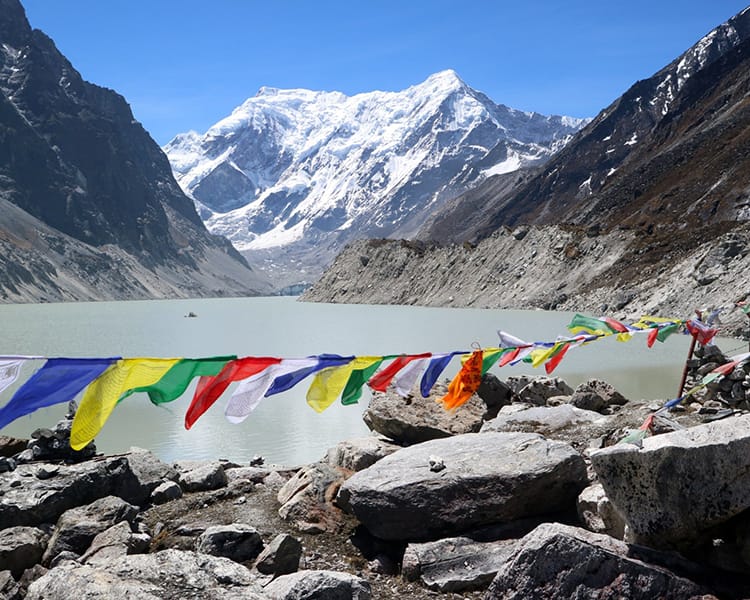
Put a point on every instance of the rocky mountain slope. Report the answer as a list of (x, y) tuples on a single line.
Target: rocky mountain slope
[(645, 209), (91, 209), (292, 175)]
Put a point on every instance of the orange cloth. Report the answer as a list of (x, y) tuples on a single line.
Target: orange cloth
[(465, 383)]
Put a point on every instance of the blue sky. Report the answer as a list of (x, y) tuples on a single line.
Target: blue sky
[(185, 64)]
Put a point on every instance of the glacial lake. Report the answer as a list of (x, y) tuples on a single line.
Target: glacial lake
[(284, 429)]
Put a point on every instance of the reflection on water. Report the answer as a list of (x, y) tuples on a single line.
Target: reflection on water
[(284, 429)]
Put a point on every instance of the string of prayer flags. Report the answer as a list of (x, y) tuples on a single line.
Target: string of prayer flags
[(107, 381), (58, 381)]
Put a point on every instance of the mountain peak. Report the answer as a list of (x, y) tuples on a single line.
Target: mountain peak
[(443, 82)]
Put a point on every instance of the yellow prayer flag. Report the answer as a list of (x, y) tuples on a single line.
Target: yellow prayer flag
[(329, 383), (102, 395)]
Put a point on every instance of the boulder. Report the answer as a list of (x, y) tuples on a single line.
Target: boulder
[(597, 513), (165, 575), (77, 527), (306, 499), (495, 393), (10, 446), (21, 548), (597, 395), (414, 419), (149, 470), (165, 492), (558, 562), (115, 542), (318, 585), (563, 422), (238, 542), (455, 564), (486, 478), (359, 453), (281, 556), (28, 500), (204, 477), (678, 485), (541, 389)]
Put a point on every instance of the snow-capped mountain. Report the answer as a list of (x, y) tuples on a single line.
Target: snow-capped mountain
[(292, 175)]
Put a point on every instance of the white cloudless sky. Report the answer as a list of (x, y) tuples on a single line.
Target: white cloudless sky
[(185, 64)]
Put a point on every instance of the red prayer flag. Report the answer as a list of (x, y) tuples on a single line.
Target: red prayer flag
[(210, 388)]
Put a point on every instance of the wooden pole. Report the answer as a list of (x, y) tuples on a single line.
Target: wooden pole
[(685, 370), (699, 314)]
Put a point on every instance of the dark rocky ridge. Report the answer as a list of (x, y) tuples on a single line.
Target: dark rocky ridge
[(87, 174)]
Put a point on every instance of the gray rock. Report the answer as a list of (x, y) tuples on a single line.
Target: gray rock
[(149, 470), (77, 527), (415, 419), (114, 542), (306, 499), (165, 492), (545, 420), (495, 394), (28, 500), (540, 389), (599, 393), (21, 548), (597, 513), (281, 556), (359, 453), (455, 564), (489, 478), (166, 575), (318, 585), (679, 484), (251, 474), (203, 478), (10, 446), (558, 562), (238, 542), (590, 401), (8, 587)]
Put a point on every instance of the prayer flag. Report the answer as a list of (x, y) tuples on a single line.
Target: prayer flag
[(381, 380), (58, 380), (251, 391), (435, 366), (9, 370), (210, 388), (101, 396), (353, 389), (329, 383), (591, 325), (287, 381), (700, 331), (465, 383)]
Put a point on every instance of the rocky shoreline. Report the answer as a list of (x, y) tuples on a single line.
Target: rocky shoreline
[(524, 492), (621, 273)]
